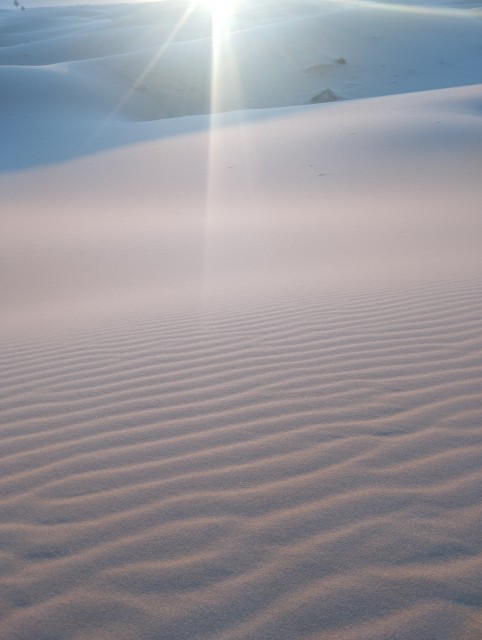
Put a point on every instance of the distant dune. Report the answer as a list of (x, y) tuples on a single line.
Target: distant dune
[(123, 57), (241, 349)]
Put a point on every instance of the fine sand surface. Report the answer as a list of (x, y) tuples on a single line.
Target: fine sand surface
[(241, 328)]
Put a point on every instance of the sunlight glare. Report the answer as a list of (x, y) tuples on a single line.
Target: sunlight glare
[(221, 12)]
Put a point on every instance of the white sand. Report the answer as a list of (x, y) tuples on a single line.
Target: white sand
[(241, 352)]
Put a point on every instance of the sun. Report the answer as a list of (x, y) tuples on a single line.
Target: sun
[(222, 12), (217, 5)]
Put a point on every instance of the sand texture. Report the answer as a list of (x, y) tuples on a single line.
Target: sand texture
[(241, 313)]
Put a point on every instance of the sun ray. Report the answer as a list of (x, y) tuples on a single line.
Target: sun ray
[(224, 81), (156, 58)]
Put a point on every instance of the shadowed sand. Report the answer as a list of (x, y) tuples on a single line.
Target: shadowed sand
[(241, 357)]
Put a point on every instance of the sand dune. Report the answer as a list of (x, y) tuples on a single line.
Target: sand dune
[(142, 74), (241, 358), (348, 194), (303, 468)]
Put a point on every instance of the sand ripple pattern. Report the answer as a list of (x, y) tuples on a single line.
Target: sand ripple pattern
[(305, 468)]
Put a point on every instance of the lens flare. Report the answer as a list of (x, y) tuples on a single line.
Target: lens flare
[(221, 12)]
